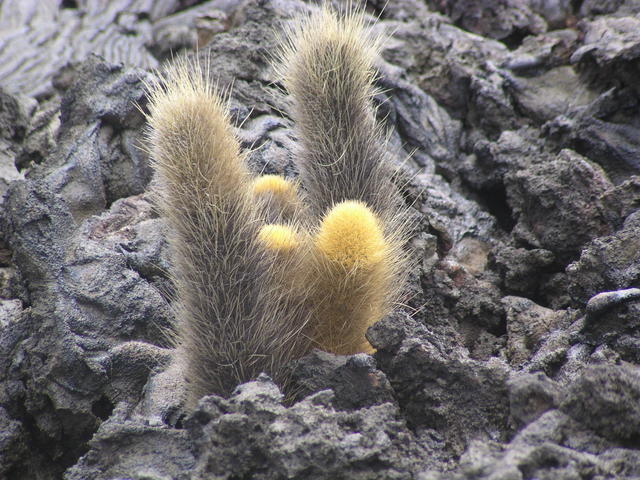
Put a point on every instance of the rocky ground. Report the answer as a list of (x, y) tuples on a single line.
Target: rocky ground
[(516, 128)]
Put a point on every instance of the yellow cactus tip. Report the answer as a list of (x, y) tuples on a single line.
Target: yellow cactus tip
[(280, 238), (350, 235), (274, 184)]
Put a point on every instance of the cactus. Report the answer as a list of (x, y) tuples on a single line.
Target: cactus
[(262, 273), (352, 277), (234, 319), (278, 238), (278, 198)]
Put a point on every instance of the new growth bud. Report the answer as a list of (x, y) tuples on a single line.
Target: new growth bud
[(279, 238)]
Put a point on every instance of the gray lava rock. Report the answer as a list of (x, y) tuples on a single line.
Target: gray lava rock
[(67, 368), (125, 449), (449, 383), (549, 94), (99, 139), (606, 399), (13, 445), (582, 439), (530, 396), (454, 67), (485, 168), (355, 380), (420, 121), (549, 217), (612, 321), (527, 325), (610, 50), (494, 19), (556, 12), (538, 451), (41, 134), (72, 31), (521, 270), (607, 300), (254, 435), (188, 28), (14, 122), (590, 8), (607, 263), (605, 131), (623, 200), (542, 53)]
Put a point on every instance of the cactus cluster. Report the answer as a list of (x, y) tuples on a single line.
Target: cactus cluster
[(266, 268)]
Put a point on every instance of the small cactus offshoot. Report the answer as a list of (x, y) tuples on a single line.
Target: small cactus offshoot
[(352, 270), (279, 238)]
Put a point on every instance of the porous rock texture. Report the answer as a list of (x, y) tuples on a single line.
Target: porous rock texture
[(515, 355)]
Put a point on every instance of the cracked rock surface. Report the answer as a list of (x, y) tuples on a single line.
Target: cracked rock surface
[(516, 354)]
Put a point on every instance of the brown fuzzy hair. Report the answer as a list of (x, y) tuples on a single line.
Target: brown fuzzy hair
[(260, 277), (327, 65), (233, 320)]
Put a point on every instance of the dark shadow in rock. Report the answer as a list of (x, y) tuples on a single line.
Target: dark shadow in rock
[(355, 380)]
